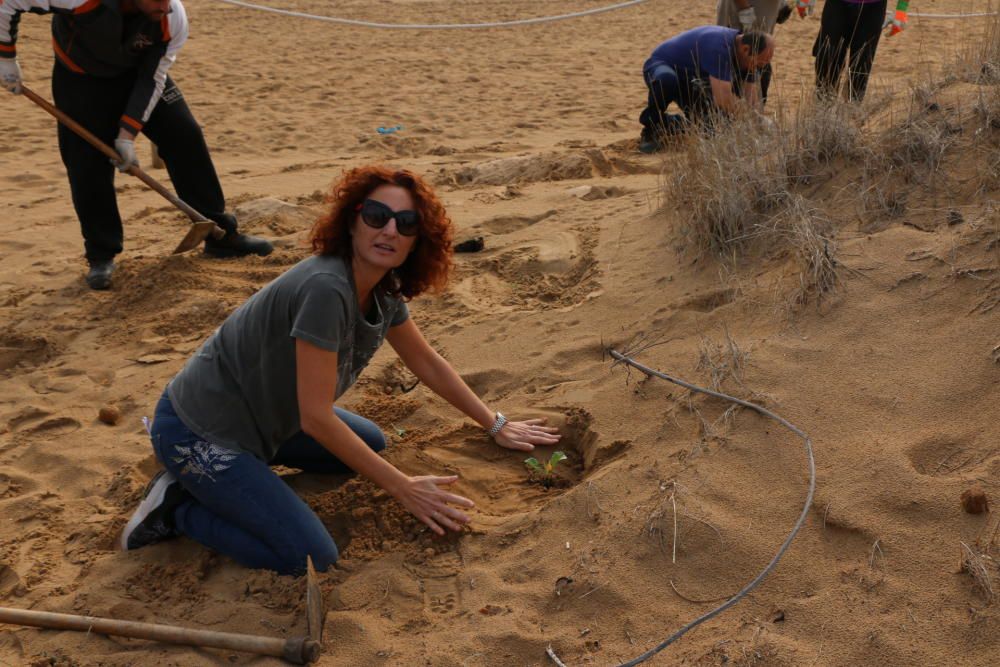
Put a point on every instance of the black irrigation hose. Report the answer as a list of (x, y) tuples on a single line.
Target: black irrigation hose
[(788, 540)]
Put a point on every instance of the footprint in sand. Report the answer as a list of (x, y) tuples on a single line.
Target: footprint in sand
[(12, 487), (557, 271), (949, 455), (507, 224), (21, 349), (438, 579), (707, 301)]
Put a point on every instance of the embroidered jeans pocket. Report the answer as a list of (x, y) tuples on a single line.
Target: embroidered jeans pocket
[(203, 459)]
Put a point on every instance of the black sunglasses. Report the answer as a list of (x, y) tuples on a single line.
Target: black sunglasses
[(377, 215)]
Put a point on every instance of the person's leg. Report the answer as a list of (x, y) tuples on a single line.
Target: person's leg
[(238, 506), (305, 453), (864, 43), (664, 87), (182, 146), (96, 104), (696, 101), (830, 50)]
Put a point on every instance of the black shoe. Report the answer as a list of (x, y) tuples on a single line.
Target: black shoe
[(649, 142), (475, 244), (234, 244), (99, 275), (649, 146), (153, 520)]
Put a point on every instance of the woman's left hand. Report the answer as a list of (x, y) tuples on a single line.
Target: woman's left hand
[(523, 436)]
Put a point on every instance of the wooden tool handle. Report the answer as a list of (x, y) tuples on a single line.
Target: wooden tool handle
[(112, 155), (300, 651)]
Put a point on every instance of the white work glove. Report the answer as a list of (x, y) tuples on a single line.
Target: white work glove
[(126, 149), (805, 7), (766, 123), (747, 17), (10, 75)]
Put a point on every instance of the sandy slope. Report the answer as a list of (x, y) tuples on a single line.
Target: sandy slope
[(893, 378)]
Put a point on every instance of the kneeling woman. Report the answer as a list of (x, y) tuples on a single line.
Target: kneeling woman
[(260, 391)]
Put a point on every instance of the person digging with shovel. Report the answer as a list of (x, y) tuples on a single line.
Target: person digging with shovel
[(110, 76)]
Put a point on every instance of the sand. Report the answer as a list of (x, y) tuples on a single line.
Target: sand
[(530, 135)]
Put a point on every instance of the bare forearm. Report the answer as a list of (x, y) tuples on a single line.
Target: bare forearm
[(331, 432), (442, 379)]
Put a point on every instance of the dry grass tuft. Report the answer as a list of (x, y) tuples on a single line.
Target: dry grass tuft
[(916, 148), (742, 189), (979, 566), (722, 360), (730, 182), (980, 60), (737, 186), (818, 134), (810, 237)]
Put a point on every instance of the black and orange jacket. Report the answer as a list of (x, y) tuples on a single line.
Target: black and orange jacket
[(107, 38)]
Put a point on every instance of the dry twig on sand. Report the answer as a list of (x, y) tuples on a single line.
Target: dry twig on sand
[(978, 566)]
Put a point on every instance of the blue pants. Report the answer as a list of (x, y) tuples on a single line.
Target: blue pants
[(666, 85), (239, 507)]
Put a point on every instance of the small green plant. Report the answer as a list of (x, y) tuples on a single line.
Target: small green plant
[(545, 471)]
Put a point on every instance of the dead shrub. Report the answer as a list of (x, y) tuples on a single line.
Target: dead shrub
[(814, 246), (980, 566), (918, 146), (979, 61), (736, 184), (723, 360), (730, 183), (819, 133)]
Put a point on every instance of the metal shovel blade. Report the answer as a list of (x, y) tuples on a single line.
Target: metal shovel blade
[(315, 615), (196, 235)]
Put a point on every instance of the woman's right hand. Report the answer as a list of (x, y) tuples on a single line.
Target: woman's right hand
[(424, 497)]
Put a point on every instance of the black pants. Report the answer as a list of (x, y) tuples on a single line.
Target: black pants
[(844, 28), (97, 104), (666, 85)]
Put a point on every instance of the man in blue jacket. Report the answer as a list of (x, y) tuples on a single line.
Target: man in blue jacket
[(704, 71), (110, 75)]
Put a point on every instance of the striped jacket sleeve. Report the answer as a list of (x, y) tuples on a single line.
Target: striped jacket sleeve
[(11, 10), (152, 76)]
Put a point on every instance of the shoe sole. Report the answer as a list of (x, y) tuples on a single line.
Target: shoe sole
[(153, 498)]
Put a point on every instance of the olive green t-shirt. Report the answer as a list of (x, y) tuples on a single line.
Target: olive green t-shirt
[(239, 389)]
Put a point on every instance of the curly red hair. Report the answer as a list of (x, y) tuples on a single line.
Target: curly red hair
[(428, 266)]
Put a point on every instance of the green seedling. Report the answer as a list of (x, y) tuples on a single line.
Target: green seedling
[(545, 470)]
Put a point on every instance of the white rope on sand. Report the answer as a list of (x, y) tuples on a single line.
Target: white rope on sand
[(434, 26), (953, 16), (505, 24)]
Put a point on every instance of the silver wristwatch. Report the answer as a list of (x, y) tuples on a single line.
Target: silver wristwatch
[(498, 424)]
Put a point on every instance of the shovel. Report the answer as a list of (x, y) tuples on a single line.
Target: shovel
[(201, 227)]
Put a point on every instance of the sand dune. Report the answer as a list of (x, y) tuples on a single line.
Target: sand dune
[(667, 503)]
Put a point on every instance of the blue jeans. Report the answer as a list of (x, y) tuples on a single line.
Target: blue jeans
[(239, 507)]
